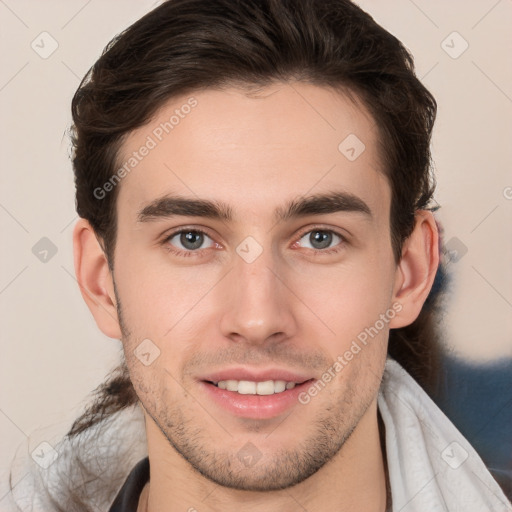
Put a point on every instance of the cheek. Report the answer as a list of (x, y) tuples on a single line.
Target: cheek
[(356, 308), (348, 298), (157, 297)]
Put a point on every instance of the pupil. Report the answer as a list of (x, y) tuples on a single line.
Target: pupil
[(320, 239), (187, 239)]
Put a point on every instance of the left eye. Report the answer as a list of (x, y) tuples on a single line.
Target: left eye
[(189, 239), (321, 239)]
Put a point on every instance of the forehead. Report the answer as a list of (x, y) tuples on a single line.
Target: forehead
[(254, 149)]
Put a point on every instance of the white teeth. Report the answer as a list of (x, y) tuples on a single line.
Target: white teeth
[(232, 385), (246, 387), (279, 386), (264, 388)]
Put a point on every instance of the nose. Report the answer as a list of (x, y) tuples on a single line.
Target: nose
[(259, 304)]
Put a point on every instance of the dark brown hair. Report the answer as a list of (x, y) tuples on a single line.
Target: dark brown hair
[(184, 46)]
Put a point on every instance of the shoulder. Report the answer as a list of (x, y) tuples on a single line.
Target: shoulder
[(431, 464), (87, 471)]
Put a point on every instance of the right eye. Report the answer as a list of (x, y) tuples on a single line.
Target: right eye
[(187, 241)]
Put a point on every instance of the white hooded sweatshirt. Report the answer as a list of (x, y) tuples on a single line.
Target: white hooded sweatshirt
[(432, 467)]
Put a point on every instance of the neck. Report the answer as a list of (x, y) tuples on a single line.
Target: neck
[(354, 479)]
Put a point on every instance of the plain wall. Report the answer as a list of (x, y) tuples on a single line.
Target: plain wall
[(53, 354)]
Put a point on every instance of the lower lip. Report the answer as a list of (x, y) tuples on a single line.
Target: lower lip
[(255, 406)]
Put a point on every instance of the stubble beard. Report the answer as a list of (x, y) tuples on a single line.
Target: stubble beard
[(280, 469)]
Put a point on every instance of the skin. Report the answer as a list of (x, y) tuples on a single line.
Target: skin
[(295, 306)]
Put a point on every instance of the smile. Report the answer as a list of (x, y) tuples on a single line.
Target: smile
[(247, 387), (262, 400)]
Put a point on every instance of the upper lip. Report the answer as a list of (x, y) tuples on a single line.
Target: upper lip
[(256, 375)]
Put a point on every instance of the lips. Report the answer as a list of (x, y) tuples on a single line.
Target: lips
[(247, 387), (255, 394), (253, 375)]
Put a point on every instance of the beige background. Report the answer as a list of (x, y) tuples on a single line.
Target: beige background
[(52, 352)]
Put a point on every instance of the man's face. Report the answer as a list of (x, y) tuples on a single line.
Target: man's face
[(267, 294)]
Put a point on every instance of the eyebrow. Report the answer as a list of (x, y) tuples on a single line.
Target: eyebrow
[(318, 204)]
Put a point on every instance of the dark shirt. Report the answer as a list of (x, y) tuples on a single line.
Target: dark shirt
[(127, 499)]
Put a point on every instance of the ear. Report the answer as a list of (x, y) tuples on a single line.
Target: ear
[(95, 279), (416, 270)]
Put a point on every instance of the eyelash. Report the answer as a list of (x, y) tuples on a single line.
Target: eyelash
[(180, 252), (198, 252)]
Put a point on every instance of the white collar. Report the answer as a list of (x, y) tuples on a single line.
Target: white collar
[(431, 465)]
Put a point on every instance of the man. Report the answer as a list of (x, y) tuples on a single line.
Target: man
[(254, 186)]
